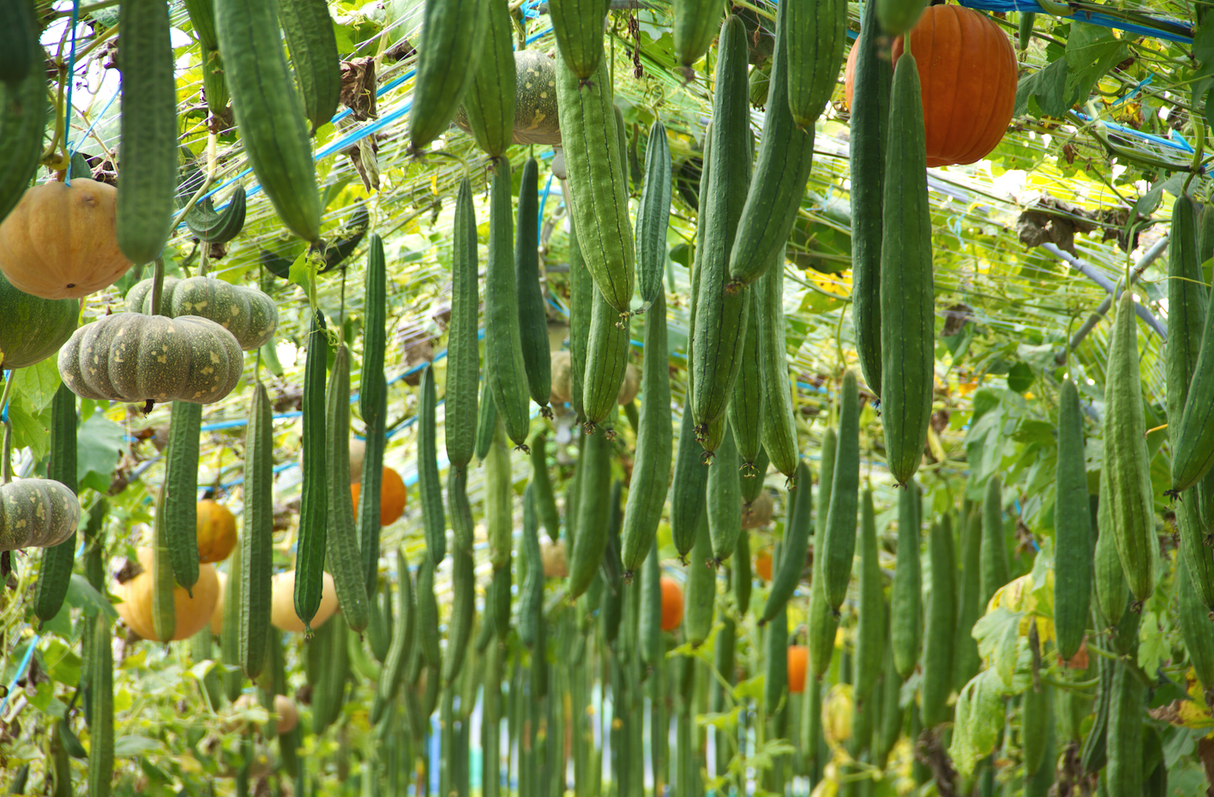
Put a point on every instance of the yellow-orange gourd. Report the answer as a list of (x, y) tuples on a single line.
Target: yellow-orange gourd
[(798, 660), (968, 76), (192, 614), (391, 497), (216, 530), (763, 564), (672, 604)]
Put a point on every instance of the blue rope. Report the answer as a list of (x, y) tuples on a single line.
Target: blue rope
[(25, 662), (1031, 6), (4, 410), (76, 147)]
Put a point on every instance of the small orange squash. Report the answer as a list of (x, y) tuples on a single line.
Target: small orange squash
[(763, 564), (193, 614), (672, 604), (216, 531), (60, 242), (391, 497), (798, 660), (968, 74)]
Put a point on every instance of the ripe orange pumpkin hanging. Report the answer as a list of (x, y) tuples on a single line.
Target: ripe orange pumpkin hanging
[(60, 241), (967, 70)]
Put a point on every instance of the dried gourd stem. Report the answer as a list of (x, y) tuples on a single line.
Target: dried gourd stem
[(212, 175), (157, 285)]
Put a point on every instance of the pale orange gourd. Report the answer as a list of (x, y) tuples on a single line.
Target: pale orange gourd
[(282, 603), (968, 76), (60, 242)]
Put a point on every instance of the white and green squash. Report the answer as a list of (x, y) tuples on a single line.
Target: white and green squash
[(36, 513), (250, 315), (138, 358)]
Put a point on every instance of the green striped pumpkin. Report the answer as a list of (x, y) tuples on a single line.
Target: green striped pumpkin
[(247, 313), (136, 357), (36, 513)]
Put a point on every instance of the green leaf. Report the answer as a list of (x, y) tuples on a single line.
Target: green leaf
[(60, 662), (83, 595), (37, 383), (32, 430), (301, 272), (1020, 377), (750, 688), (977, 721), (1033, 431), (1048, 87), (99, 444), (1153, 646), (1090, 52), (997, 633), (133, 746), (1203, 43)]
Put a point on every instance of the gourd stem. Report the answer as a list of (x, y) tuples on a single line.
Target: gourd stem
[(8, 429), (8, 451), (157, 285), (341, 316), (204, 259)]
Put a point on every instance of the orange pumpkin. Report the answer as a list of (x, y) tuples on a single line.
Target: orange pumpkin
[(967, 71), (391, 497), (216, 530), (672, 604), (60, 242), (763, 564), (282, 603), (192, 614), (798, 660)]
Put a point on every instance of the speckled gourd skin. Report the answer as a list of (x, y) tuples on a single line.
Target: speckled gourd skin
[(135, 357), (247, 313), (36, 513)]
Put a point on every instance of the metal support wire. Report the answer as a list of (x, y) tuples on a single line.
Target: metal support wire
[(1109, 286)]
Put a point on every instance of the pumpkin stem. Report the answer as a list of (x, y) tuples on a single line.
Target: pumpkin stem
[(157, 285)]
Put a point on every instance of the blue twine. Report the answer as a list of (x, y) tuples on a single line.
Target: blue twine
[(4, 410), (1031, 6), (539, 228), (76, 147), (71, 79), (1180, 144), (25, 662)]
